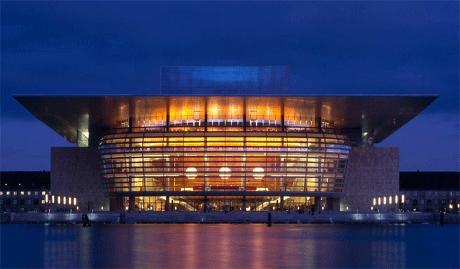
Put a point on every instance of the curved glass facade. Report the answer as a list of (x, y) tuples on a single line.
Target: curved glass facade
[(140, 162), (218, 148)]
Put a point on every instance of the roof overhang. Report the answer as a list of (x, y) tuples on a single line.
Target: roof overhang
[(383, 114)]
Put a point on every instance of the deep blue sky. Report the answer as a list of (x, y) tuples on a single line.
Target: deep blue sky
[(331, 47)]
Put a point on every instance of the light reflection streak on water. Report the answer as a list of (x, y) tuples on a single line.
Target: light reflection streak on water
[(231, 246)]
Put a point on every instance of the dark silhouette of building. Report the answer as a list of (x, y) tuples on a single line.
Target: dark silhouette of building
[(431, 191)]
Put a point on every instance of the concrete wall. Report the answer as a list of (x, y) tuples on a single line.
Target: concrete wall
[(76, 172), (371, 172)]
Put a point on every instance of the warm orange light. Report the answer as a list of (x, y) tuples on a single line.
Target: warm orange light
[(215, 111), (238, 156), (191, 172), (225, 172), (258, 173)]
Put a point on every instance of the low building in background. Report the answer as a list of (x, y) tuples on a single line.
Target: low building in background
[(22, 191), (431, 191), (29, 191), (421, 191)]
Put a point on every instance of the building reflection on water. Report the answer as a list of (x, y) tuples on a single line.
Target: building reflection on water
[(388, 252), (248, 246)]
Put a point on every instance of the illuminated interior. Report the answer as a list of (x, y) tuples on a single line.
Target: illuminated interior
[(223, 162), (223, 148), (224, 113)]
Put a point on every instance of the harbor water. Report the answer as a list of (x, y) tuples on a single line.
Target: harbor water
[(229, 246)]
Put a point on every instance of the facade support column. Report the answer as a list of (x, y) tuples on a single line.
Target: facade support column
[(205, 204), (244, 114), (205, 114), (281, 203), (243, 202), (167, 203), (317, 204), (167, 114), (131, 204), (282, 114)]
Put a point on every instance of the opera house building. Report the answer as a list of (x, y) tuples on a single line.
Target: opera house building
[(207, 144)]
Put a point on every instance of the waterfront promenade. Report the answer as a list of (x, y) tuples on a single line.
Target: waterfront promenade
[(232, 217)]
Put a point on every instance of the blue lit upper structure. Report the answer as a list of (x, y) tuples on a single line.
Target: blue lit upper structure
[(223, 80)]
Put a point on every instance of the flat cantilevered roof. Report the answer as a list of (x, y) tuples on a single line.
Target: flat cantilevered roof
[(380, 115)]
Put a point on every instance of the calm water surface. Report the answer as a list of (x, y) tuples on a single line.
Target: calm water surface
[(230, 246)]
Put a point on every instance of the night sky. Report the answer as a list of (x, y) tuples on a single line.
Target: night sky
[(384, 47)]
